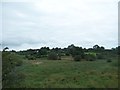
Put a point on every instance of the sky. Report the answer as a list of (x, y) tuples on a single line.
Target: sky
[(58, 23)]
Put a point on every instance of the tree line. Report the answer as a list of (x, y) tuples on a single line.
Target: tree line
[(76, 52)]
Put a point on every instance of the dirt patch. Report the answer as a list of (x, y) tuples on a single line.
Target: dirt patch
[(35, 62)]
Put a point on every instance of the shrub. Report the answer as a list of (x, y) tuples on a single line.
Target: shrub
[(77, 58), (30, 57), (9, 63), (53, 56), (90, 57), (99, 56), (67, 54), (109, 60), (16, 59)]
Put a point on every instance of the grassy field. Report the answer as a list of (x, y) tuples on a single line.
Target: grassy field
[(67, 73)]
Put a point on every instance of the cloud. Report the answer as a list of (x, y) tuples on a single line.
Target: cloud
[(60, 23), (22, 15)]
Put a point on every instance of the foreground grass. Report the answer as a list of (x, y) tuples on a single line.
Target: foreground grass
[(69, 74)]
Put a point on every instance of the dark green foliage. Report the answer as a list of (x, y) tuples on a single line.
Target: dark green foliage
[(53, 56), (43, 51), (109, 60), (97, 48), (74, 50), (90, 57), (77, 58), (100, 56), (5, 48), (35, 53), (118, 50), (30, 57), (9, 62), (67, 54)]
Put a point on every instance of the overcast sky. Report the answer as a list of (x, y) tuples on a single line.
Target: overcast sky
[(59, 23)]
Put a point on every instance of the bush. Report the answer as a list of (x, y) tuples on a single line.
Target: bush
[(99, 56), (53, 56), (17, 59), (77, 58), (109, 60), (9, 63), (30, 57), (90, 57)]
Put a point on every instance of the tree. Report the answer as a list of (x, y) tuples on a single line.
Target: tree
[(95, 47), (118, 50), (74, 50), (102, 48), (98, 48), (5, 48), (43, 51)]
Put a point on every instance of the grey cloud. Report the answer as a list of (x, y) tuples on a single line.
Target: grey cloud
[(80, 22)]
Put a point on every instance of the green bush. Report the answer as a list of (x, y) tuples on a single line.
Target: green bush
[(9, 62), (30, 57), (109, 60), (77, 58), (90, 57), (17, 59), (53, 56), (100, 56)]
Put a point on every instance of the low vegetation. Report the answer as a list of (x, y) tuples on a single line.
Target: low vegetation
[(71, 67), (9, 63), (53, 56), (69, 74)]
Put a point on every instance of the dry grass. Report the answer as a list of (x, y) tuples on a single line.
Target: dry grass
[(35, 62)]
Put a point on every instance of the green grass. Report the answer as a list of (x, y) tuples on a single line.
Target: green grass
[(69, 74)]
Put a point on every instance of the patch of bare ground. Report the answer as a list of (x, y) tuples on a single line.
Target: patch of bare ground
[(35, 62)]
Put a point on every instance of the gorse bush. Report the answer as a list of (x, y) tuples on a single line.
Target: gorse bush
[(90, 57), (109, 60), (53, 56), (100, 56), (16, 59), (77, 58), (30, 57), (9, 62)]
